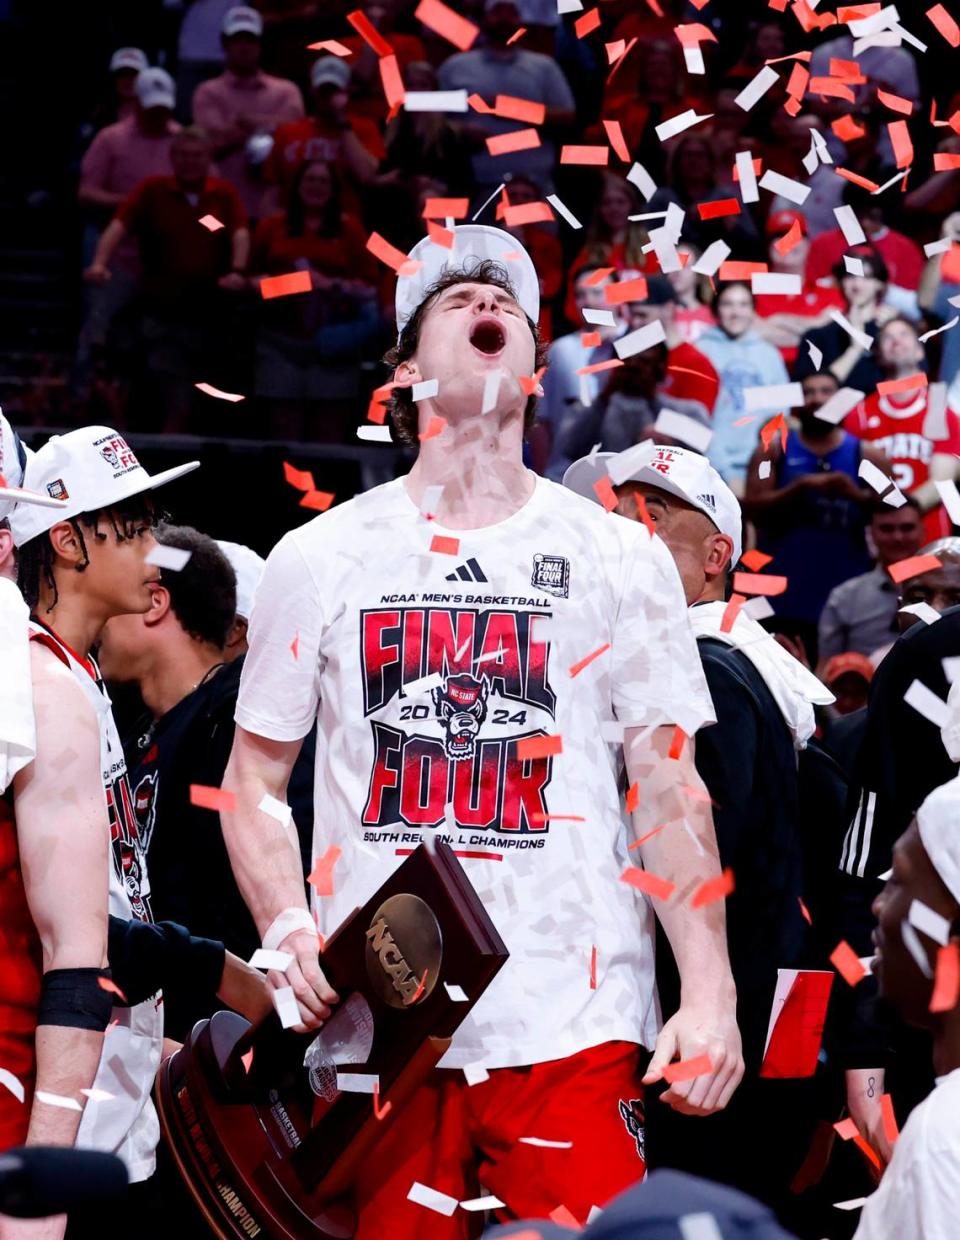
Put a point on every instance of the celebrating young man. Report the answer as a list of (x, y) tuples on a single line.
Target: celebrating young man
[(432, 626)]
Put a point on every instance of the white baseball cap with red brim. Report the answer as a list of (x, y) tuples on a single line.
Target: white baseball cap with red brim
[(87, 469), (472, 243)]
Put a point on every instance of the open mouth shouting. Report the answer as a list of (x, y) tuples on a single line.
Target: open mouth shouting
[(487, 335)]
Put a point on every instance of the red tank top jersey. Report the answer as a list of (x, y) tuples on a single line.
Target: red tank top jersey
[(897, 426)]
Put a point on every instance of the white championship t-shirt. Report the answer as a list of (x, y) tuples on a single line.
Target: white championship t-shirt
[(919, 1195), (354, 607)]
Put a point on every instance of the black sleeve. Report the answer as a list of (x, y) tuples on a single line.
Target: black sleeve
[(726, 752), (146, 957)]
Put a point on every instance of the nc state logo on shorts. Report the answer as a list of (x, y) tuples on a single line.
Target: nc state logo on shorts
[(632, 1115)]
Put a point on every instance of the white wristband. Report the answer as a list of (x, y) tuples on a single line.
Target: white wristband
[(284, 924)]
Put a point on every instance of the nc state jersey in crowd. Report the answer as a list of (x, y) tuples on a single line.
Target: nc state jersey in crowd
[(127, 1123), (426, 672), (897, 425)]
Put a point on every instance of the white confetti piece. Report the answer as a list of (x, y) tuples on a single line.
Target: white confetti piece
[(487, 201), (57, 1100), (425, 389), (792, 190), (440, 1203), (758, 608), (643, 338), (773, 396), (886, 185), (375, 434), (763, 469), (782, 282), (749, 190), (491, 390), (455, 993), (886, 875), (852, 266), (600, 318), (853, 1204), (664, 245), (562, 209), (678, 124), (276, 809), (950, 498), (815, 355), (699, 1226), (569, 6), (435, 101), (864, 27), (543, 1144), (217, 393), (211, 224), (938, 247), (595, 1213), (285, 1002), (756, 88), (925, 702), (475, 1074), (923, 611), (710, 261), (935, 331), (9, 1081), (873, 476), (264, 958), (911, 941), (642, 179), (896, 498), (684, 428), (935, 419), (425, 684), (929, 922), (693, 59), (98, 1095), (358, 1082), (648, 215), (478, 1204), (862, 339), (849, 225), (172, 558)]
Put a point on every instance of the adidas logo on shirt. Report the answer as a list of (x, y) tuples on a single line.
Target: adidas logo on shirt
[(471, 571)]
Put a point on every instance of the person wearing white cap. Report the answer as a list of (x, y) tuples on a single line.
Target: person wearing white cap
[(243, 101), (916, 941), (764, 701), (78, 563), (248, 567), (436, 629), (125, 64)]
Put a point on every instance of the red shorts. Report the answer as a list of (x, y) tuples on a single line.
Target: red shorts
[(454, 1137)]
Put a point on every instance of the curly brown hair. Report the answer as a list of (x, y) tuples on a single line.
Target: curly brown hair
[(400, 406)]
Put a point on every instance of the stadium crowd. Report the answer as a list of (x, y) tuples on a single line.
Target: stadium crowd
[(736, 233)]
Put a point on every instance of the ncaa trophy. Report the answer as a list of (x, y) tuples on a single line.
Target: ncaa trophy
[(268, 1127)]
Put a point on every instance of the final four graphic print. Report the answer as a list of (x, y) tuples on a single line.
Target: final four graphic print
[(455, 742)]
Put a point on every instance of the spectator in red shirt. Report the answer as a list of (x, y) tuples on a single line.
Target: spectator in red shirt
[(921, 449), (327, 134), (691, 312), (300, 336), (904, 260), (186, 267), (783, 318), (611, 239), (366, 86), (243, 102)]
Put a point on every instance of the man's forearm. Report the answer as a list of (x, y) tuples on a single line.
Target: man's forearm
[(67, 1061), (110, 238)]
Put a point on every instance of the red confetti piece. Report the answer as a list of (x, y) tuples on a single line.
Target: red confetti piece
[(592, 155), (856, 179), (392, 81), (440, 235), (713, 889), (847, 129), (830, 88), (945, 24), (644, 513), (846, 962), (643, 838), (633, 798), (678, 742), (901, 142), (755, 560), (380, 248), (446, 23), (598, 276), (890, 1129), (946, 979), (512, 108), (740, 270), (333, 46), (212, 798), (532, 747), (247, 1060), (577, 668), (508, 143), (517, 34), (719, 208), (913, 566), (847, 1130), (562, 1217), (616, 139), (378, 1111), (211, 223), (909, 383), (528, 213), (443, 208), (295, 646), (603, 489), (434, 428), (586, 24), (943, 161), (106, 983), (285, 286), (769, 429), (649, 884), (848, 70), (321, 878), (302, 479), (559, 818), (759, 583), (529, 383), (218, 394), (687, 1069), (368, 32), (805, 912), (597, 367), (445, 546), (593, 968), (625, 290), (318, 500), (590, 340), (730, 612), (418, 993), (896, 103)]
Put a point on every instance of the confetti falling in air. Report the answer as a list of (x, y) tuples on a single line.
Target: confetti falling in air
[(211, 223), (650, 884), (532, 747), (687, 1069), (846, 962), (321, 877), (713, 889), (213, 798), (578, 667), (108, 984)]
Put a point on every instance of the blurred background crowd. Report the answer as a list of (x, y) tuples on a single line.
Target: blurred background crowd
[(172, 154)]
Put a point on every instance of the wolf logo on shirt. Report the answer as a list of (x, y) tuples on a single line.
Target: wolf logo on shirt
[(494, 693)]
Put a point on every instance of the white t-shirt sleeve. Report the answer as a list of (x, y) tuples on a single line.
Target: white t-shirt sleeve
[(279, 686), (657, 674)]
